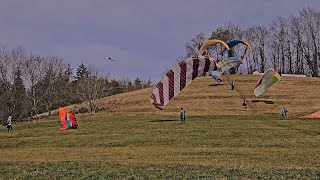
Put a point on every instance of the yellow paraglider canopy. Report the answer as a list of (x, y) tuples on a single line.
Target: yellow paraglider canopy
[(210, 43)]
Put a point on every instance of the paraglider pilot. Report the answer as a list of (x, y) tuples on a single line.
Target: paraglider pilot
[(9, 124), (244, 104), (232, 85), (182, 116), (284, 113), (230, 53)]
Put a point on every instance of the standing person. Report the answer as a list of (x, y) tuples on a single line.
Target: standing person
[(232, 85), (285, 113), (9, 124), (244, 104), (182, 116)]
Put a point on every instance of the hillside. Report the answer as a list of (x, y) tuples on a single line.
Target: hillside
[(133, 140), (202, 97)]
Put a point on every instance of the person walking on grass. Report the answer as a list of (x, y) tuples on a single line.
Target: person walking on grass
[(9, 124), (182, 116)]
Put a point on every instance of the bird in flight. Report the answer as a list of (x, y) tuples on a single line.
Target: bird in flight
[(110, 59)]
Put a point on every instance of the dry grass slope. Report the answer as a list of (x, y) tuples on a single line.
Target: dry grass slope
[(133, 140), (300, 95)]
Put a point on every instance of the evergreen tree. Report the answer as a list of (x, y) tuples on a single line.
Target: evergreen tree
[(82, 71), (115, 87), (130, 86), (19, 95), (137, 83)]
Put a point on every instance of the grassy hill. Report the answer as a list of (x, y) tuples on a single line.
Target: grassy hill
[(202, 97), (133, 140)]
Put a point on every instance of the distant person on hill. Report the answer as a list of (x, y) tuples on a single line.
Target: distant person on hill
[(244, 104), (284, 113), (9, 124), (232, 85), (182, 116)]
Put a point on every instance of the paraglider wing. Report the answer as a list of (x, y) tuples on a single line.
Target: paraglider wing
[(228, 63), (72, 118), (233, 43), (216, 76), (225, 64), (210, 43), (68, 119), (62, 116), (179, 77), (315, 115), (270, 77)]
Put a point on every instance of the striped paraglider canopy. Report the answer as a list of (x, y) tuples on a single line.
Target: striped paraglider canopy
[(179, 77)]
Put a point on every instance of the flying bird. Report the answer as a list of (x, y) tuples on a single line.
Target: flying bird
[(111, 59)]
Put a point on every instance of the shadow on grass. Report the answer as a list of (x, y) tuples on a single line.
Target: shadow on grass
[(216, 84), (263, 101), (162, 120)]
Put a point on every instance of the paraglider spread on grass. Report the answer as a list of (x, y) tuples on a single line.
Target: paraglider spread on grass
[(315, 115), (68, 119)]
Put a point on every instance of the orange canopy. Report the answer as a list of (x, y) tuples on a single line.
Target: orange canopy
[(68, 119)]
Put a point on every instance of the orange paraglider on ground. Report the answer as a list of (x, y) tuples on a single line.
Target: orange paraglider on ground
[(315, 115), (68, 119)]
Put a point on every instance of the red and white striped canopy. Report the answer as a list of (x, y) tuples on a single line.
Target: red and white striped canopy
[(178, 77)]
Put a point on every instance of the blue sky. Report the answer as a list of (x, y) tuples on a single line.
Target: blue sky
[(145, 36)]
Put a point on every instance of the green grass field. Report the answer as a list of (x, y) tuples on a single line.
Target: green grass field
[(220, 140), (158, 147)]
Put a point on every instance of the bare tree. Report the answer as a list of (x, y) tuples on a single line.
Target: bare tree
[(51, 87), (260, 35), (192, 47), (33, 72), (233, 31), (311, 24), (9, 64), (91, 87)]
